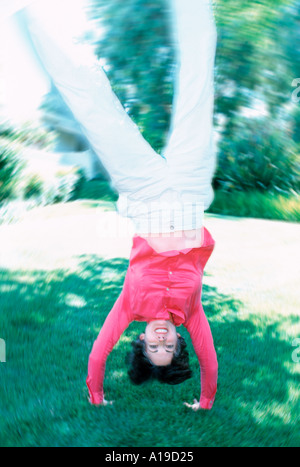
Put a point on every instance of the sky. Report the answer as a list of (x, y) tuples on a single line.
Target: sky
[(23, 82)]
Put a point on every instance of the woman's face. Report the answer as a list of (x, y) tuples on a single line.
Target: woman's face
[(161, 342)]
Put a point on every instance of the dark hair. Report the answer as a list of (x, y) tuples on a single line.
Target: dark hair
[(141, 369)]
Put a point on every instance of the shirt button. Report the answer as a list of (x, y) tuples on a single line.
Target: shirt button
[(171, 272), (168, 289), (172, 227)]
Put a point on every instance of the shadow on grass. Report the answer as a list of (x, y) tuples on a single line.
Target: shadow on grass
[(49, 321)]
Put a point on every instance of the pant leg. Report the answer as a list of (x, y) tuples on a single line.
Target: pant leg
[(130, 161), (190, 150)]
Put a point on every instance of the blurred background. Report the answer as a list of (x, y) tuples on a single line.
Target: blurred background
[(61, 268), (46, 159)]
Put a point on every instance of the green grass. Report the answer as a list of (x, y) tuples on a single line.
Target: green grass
[(50, 317), (257, 205)]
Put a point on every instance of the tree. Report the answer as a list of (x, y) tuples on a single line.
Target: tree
[(139, 57), (9, 173), (12, 142), (257, 58)]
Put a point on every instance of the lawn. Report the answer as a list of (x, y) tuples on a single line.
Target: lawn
[(61, 270)]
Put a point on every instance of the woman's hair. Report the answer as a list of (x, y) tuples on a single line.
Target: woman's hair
[(141, 369)]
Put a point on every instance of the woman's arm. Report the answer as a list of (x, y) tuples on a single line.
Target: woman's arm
[(115, 324), (199, 330)]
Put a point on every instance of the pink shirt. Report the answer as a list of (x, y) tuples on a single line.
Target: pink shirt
[(165, 285)]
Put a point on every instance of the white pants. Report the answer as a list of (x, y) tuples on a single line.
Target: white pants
[(159, 194)]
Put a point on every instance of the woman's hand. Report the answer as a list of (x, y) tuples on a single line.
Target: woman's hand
[(195, 406), (104, 403)]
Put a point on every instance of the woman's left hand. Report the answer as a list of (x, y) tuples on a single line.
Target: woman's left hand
[(195, 406)]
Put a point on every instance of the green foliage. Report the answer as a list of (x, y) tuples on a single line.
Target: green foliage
[(12, 141), (260, 155), (139, 56), (10, 168), (258, 56), (28, 134), (257, 204), (65, 187), (34, 187), (95, 190), (257, 53), (78, 184)]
